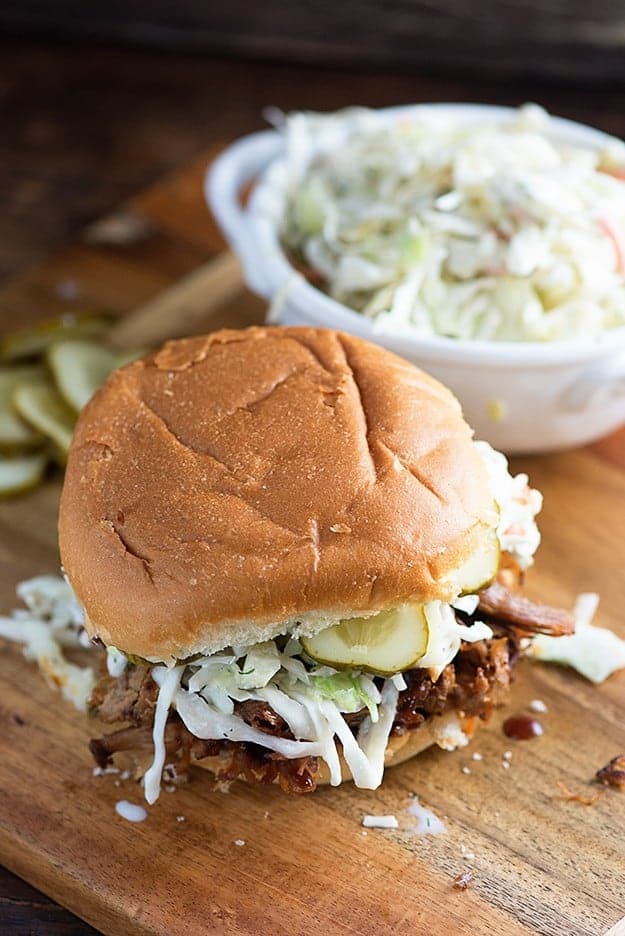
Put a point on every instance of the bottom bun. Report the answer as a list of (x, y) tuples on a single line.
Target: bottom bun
[(448, 731)]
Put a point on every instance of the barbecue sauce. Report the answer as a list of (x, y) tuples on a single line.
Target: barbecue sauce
[(522, 727)]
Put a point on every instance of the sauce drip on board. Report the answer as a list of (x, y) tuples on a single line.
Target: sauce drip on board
[(522, 727)]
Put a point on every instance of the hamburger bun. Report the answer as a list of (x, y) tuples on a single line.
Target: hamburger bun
[(229, 488)]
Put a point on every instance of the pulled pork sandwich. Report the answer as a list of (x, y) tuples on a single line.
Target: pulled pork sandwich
[(299, 561)]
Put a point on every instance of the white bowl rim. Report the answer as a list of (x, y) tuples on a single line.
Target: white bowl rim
[(437, 346)]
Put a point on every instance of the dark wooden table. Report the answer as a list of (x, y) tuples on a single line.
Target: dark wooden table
[(84, 127)]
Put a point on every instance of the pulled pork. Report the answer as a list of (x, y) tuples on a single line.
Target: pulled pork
[(260, 715), (475, 682), (130, 697), (509, 608), (613, 774), (472, 685), (238, 761)]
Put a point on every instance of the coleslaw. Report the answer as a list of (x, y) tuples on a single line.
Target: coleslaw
[(473, 231)]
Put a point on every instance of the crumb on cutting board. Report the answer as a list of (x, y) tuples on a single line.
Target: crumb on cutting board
[(613, 774), (463, 880), (380, 822)]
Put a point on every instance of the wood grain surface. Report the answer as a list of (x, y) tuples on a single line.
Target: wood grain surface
[(564, 38), (540, 865), (84, 126)]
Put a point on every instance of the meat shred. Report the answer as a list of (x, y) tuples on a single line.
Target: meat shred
[(613, 774), (130, 697), (463, 880), (505, 606), (472, 684), (260, 715)]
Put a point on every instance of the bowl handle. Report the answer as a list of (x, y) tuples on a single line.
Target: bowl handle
[(233, 169), (606, 380)]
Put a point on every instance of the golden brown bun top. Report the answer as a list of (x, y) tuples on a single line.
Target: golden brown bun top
[(228, 487)]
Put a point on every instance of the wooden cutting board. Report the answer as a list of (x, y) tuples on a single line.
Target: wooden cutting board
[(540, 864)]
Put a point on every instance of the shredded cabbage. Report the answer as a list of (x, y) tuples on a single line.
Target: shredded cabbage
[(53, 620), (446, 635), (518, 505), (348, 691), (373, 736), (479, 231), (116, 662), (595, 652), (311, 699), (168, 681)]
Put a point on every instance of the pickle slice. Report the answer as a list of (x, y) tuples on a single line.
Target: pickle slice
[(15, 434), (384, 643), (41, 405), (21, 473), (479, 570), (80, 366), (33, 341)]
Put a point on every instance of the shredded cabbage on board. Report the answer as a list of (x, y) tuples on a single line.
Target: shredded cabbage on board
[(51, 621), (595, 652), (473, 231)]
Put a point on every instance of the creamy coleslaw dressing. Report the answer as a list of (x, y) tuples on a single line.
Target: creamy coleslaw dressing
[(427, 822), (482, 230), (131, 812)]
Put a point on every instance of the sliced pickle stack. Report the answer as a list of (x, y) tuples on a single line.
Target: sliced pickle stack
[(20, 473), (47, 374), (79, 366)]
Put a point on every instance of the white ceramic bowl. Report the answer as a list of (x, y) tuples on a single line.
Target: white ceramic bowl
[(520, 396)]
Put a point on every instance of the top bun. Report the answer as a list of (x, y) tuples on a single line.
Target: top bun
[(236, 486)]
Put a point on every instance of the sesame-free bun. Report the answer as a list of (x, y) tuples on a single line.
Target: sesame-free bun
[(232, 487)]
